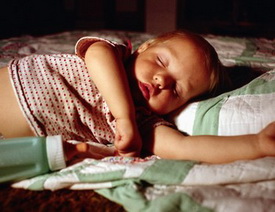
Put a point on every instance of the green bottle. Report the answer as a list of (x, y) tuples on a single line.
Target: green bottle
[(25, 157)]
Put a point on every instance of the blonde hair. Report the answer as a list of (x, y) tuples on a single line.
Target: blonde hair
[(218, 77)]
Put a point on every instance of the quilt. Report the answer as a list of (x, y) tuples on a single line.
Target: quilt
[(154, 184)]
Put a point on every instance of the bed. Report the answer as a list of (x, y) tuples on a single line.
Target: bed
[(152, 183)]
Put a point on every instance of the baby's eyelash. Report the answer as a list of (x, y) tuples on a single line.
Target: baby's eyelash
[(160, 61)]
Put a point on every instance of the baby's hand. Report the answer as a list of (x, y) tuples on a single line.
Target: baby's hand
[(127, 142), (267, 140)]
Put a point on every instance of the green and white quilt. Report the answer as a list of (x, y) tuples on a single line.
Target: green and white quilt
[(154, 184)]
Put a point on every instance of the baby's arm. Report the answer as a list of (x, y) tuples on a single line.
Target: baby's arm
[(169, 143), (107, 71)]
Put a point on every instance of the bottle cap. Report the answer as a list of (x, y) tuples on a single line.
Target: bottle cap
[(55, 152)]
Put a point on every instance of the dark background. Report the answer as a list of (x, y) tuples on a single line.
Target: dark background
[(231, 17), (225, 17)]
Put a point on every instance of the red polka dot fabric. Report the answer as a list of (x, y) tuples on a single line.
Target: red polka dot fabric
[(58, 97)]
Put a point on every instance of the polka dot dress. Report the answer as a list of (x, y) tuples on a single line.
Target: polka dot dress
[(57, 96)]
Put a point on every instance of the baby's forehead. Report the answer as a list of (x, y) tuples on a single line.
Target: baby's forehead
[(180, 42)]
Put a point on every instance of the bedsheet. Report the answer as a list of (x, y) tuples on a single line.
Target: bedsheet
[(154, 184)]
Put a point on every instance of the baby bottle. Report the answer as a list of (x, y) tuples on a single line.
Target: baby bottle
[(26, 157)]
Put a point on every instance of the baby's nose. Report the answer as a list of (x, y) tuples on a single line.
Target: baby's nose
[(163, 81)]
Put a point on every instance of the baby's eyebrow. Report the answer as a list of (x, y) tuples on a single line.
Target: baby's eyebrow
[(166, 56)]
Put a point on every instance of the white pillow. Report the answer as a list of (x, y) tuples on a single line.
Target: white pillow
[(245, 110)]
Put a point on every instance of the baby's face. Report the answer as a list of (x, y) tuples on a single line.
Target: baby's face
[(170, 74)]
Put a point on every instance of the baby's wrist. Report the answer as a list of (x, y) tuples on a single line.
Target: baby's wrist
[(263, 148)]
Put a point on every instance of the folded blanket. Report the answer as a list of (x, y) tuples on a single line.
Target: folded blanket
[(154, 184)]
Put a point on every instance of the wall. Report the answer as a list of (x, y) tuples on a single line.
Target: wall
[(19, 17), (228, 17), (160, 15)]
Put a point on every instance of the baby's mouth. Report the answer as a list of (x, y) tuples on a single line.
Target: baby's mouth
[(145, 89)]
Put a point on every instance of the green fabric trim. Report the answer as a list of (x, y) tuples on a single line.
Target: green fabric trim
[(177, 171), (133, 200), (250, 49), (207, 117), (256, 87), (128, 195), (39, 182), (247, 54), (101, 177)]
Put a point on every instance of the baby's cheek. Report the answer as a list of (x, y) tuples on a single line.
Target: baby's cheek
[(160, 106)]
